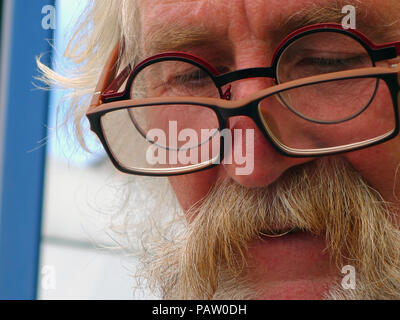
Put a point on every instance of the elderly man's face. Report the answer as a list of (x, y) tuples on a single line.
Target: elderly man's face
[(239, 34)]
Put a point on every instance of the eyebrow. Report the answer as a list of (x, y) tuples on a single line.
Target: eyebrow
[(373, 23), (177, 37), (180, 37)]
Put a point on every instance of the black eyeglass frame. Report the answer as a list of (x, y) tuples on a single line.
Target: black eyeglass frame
[(249, 107), (107, 99)]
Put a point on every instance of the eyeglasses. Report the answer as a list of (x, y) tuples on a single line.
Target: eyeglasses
[(328, 96)]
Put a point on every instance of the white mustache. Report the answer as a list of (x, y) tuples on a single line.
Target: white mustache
[(325, 197)]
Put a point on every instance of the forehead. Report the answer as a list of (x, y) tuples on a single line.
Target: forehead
[(266, 9), (222, 16), (230, 20)]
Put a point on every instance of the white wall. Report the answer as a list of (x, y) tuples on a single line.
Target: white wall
[(74, 233), (75, 215)]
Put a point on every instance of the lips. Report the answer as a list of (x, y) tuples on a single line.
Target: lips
[(290, 263)]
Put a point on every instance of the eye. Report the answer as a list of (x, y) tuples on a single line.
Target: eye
[(320, 53), (310, 63), (333, 63), (192, 78), (175, 78)]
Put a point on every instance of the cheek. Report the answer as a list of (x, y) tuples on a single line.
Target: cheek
[(191, 188), (379, 166)]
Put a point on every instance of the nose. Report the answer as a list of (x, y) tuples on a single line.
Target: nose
[(252, 160)]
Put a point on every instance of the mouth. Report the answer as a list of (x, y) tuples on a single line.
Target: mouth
[(290, 263), (280, 232)]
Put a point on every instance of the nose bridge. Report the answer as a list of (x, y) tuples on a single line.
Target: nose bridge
[(250, 107), (244, 88), (229, 78)]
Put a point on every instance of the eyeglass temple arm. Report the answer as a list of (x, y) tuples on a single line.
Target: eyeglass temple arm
[(109, 83), (111, 90), (118, 81), (107, 76)]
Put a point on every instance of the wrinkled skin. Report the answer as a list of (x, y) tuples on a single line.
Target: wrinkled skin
[(297, 267)]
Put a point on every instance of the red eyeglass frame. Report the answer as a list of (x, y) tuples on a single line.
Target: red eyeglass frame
[(377, 52), (107, 98)]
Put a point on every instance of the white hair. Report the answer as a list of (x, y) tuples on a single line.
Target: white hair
[(101, 25)]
